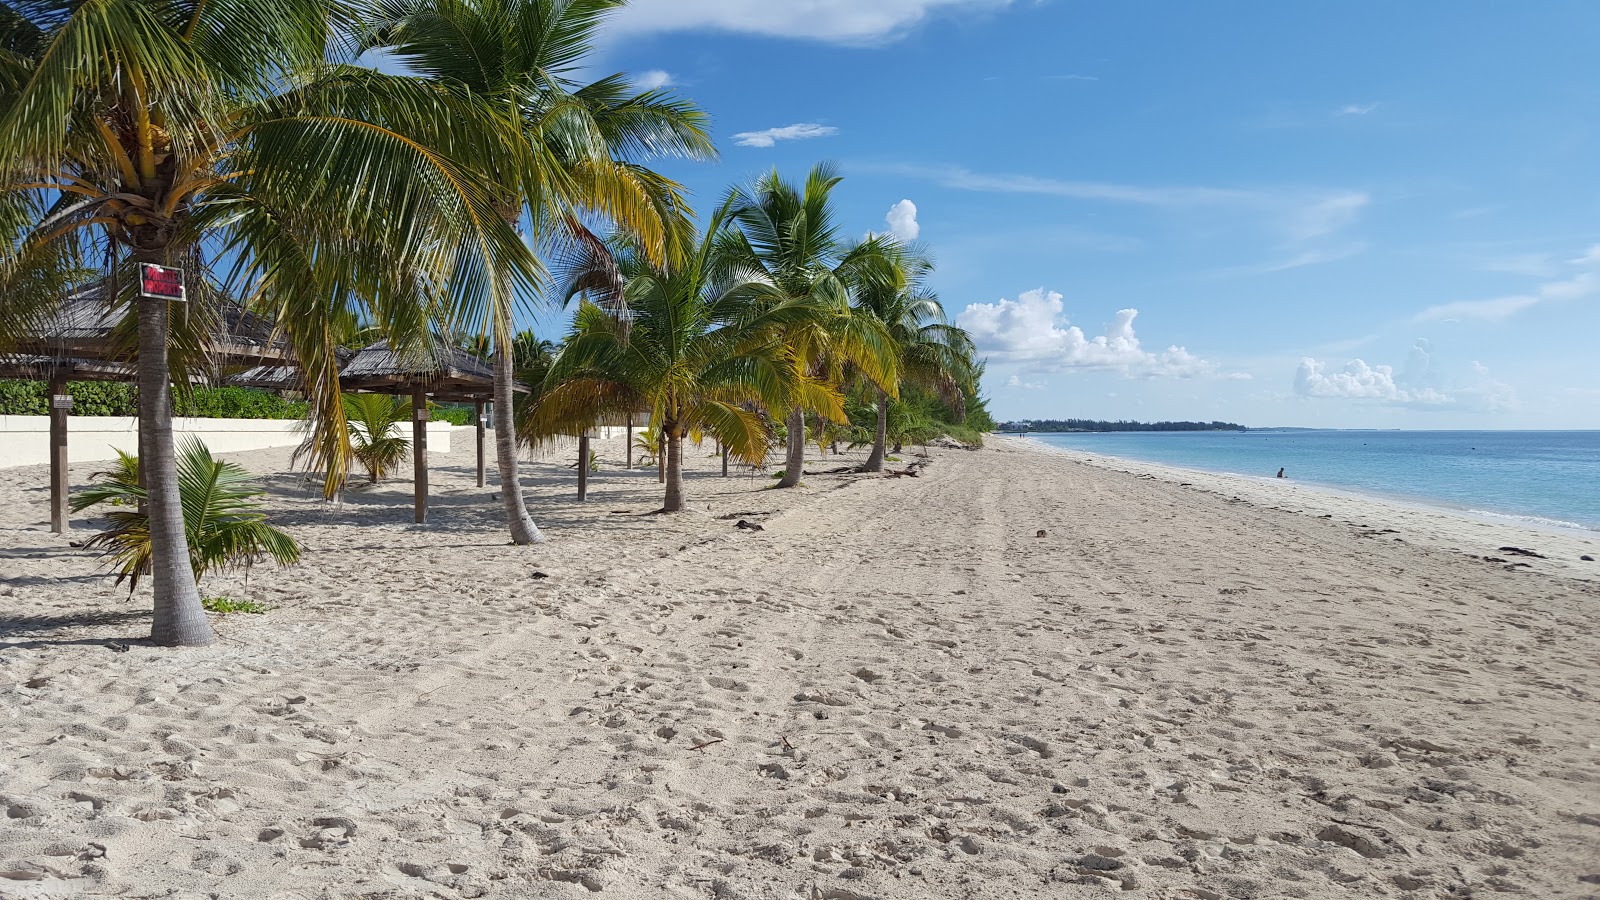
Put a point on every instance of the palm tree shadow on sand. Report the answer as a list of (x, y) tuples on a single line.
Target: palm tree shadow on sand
[(67, 630)]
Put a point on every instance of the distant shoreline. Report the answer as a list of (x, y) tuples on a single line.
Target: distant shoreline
[(1434, 524)]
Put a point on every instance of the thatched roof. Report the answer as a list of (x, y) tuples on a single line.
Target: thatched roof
[(448, 373), (279, 377), (43, 368), (84, 324)]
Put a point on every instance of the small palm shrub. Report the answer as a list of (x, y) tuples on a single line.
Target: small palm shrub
[(373, 440), (224, 526), (648, 443)]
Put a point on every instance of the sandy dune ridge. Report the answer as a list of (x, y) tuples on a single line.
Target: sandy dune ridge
[(896, 689)]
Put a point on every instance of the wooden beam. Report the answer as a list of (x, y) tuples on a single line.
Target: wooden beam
[(480, 420), (60, 403), (583, 466), (419, 451)]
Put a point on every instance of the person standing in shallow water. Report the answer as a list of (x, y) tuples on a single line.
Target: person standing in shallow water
[(1280, 473)]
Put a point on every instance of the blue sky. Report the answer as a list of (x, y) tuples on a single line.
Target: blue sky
[(1357, 214)]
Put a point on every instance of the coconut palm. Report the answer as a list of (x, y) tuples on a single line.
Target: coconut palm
[(583, 145), (931, 353), (224, 527), (179, 132), (375, 440), (788, 236), (699, 351)]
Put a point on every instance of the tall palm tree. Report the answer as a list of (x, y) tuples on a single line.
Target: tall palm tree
[(698, 349), (930, 351), (789, 236), (182, 132), (584, 143)]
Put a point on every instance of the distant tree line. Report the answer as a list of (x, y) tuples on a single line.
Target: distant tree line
[(1123, 425)]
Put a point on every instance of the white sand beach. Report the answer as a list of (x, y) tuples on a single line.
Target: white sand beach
[(1017, 675)]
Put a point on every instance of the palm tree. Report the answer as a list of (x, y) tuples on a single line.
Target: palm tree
[(788, 236), (931, 352), (375, 442), (698, 350), (176, 132), (224, 528), (582, 143)]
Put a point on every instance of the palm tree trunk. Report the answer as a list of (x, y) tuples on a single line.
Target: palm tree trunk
[(795, 458), (523, 531), (880, 438), (661, 457), (674, 455), (180, 620)]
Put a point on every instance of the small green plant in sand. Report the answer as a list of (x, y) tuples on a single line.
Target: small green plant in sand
[(224, 526), (647, 443), (373, 440), (230, 605)]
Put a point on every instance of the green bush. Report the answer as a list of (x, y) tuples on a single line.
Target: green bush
[(237, 403), (108, 398), (454, 413)]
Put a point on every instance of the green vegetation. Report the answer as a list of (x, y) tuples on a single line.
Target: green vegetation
[(246, 144), (454, 413), (223, 527), (107, 398), (375, 440), (230, 605)]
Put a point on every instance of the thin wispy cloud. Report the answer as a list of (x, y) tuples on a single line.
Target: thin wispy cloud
[(1071, 78), (959, 178), (1357, 109), (1590, 257), (801, 131), (653, 80), (834, 21), (1327, 215), (1297, 261), (1494, 309)]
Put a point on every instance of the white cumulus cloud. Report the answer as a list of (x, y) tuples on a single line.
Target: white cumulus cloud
[(653, 79), (1015, 382), (1418, 386), (902, 219), (840, 21), (1033, 332), (798, 132)]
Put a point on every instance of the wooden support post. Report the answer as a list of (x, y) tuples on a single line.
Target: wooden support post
[(60, 403), (629, 441), (583, 466), (480, 443), (661, 458), (419, 452), (724, 460)]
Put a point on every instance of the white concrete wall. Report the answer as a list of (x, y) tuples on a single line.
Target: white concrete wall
[(25, 440)]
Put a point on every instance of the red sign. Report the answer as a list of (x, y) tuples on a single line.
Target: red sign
[(160, 282)]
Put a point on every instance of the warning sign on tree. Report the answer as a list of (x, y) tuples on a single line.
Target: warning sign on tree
[(160, 282)]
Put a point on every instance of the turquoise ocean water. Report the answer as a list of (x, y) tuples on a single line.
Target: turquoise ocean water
[(1545, 477)]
